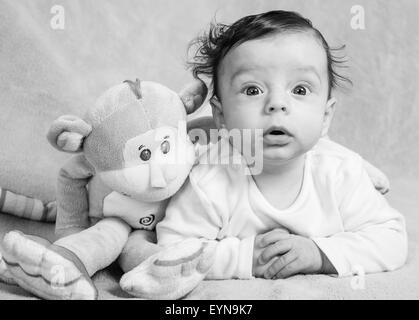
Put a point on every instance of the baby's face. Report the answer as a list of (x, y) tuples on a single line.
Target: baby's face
[(278, 84)]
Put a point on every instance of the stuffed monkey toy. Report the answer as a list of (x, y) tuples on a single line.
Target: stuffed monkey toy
[(132, 154)]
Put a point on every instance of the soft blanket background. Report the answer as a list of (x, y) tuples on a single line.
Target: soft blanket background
[(45, 73)]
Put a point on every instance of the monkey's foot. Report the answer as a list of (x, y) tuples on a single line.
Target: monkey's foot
[(5, 275), (44, 269), (171, 273)]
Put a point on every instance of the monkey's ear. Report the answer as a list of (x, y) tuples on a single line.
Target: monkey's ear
[(193, 95), (67, 133)]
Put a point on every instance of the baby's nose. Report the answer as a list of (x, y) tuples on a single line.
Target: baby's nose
[(277, 102), (274, 108)]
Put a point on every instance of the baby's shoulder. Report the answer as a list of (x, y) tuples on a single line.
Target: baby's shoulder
[(332, 161)]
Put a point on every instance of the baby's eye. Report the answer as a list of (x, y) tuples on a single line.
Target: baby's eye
[(145, 155), (253, 91), (301, 90)]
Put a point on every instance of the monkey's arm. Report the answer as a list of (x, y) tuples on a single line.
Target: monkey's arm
[(72, 196)]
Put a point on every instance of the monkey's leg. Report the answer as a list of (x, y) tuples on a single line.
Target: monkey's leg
[(62, 270), (172, 272), (141, 245)]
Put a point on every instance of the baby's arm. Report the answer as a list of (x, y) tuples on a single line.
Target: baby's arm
[(72, 196), (374, 236), (190, 214), (378, 178)]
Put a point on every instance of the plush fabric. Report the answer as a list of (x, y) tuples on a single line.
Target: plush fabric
[(46, 73)]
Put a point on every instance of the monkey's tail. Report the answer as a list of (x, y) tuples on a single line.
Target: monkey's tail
[(27, 207)]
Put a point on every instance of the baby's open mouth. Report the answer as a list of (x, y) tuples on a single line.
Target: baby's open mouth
[(277, 132), (277, 136)]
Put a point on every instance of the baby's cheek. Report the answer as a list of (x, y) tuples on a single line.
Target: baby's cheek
[(309, 135), (242, 120)]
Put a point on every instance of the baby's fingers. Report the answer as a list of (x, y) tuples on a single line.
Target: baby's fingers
[(273, 236), (289, 270), (282, 262), (278, 248)]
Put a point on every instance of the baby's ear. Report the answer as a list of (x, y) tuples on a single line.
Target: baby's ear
[(193, 95), (328, 116), (217, 112), (67, 133)]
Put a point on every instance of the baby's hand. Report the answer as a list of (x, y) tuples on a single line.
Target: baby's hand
[(296, 254), (261, 241)]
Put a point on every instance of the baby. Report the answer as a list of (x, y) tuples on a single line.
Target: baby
[(312, 208)]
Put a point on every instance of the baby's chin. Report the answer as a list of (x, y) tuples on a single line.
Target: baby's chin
[(277, 153), (281, 157)]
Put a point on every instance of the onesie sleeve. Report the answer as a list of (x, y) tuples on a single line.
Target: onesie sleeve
[(190, 214), (374, 236)]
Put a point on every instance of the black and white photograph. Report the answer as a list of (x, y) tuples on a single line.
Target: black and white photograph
[(209, 150)]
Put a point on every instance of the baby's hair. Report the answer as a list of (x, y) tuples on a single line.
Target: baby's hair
[(221, 38)]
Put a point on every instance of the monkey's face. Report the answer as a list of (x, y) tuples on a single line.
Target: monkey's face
[(156, 163)]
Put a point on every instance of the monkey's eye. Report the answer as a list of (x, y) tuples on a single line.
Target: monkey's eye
[(165, 146), (145, 155)]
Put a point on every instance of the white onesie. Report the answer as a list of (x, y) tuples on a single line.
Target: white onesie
[(338, 208)]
